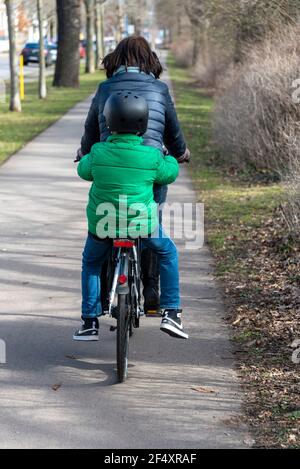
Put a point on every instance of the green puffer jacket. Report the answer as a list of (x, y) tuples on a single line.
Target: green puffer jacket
[(123, 171)]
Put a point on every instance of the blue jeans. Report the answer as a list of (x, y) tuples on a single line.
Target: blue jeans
[(96, 252)]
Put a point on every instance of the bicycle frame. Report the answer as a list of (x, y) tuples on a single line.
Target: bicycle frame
[(126, 276), (124, 297)]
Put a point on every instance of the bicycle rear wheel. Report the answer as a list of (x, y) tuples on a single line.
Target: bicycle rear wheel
[(123, 333)]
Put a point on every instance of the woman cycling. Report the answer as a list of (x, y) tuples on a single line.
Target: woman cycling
[(133, 66)]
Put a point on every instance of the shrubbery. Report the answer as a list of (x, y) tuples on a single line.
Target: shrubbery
[(183, 52), (257, 120), (248, 53)]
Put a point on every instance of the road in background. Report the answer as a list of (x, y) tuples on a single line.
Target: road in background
[(31, 71)]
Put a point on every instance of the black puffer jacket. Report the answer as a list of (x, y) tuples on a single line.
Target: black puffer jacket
[(163, 125)]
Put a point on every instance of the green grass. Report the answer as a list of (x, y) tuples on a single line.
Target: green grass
[(194, 109), (231, 204), (16, 129)]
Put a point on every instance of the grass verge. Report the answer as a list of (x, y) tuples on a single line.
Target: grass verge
[(16, 129), (257, 263)]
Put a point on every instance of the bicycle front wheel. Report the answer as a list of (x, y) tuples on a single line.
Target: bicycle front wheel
[(123, 333)]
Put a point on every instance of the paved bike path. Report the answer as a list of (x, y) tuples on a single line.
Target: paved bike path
[(60, 394)]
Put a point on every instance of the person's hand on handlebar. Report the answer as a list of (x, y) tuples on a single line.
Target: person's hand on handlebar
[(185, 158), (79, 156)]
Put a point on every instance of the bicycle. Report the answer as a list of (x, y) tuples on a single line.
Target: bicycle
[(124, 286)]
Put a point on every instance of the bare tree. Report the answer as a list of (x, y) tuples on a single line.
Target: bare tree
[(119, 16), (15, 101), (137, 10), (170, 16), (196, 12), (99, 32), (90, 31), (42, 64), (68, 59)]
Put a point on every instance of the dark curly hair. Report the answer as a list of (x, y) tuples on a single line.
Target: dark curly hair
[(133, 51)]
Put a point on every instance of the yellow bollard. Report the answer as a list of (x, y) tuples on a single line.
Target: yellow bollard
[(22, 81)]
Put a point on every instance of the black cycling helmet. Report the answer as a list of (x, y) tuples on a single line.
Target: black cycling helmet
[(126, 113)]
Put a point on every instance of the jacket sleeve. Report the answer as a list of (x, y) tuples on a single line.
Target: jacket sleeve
[(92, 129), (167, 171), (173, 135), (84, 169)]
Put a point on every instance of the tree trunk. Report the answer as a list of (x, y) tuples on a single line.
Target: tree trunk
[(205, 44), (52, 32), (138, 21), (195, 10), (15, 101), (99, 34), (179, 25), (68, 60), (42, 64), (90, 30), (120, 22), (196, 34)]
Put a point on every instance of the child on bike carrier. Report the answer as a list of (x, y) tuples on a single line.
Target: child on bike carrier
[(123, 168)]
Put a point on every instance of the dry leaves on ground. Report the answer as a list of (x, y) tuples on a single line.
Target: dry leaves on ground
[(263, 297)]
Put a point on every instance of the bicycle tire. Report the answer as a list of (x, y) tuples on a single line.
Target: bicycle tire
[(122, 338), (134, 322), (131, 328)]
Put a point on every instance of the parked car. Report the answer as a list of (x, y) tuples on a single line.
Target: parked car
[(31, 53)]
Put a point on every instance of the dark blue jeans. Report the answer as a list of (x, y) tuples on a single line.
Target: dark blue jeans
[(96, 253)]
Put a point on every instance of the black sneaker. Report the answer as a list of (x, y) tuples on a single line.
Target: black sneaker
[(172, 325), (89, 331)]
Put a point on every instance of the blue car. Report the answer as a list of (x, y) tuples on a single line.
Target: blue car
[(31, 53)]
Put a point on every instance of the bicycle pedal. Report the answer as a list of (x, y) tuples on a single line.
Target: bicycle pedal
[(153, 314)]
